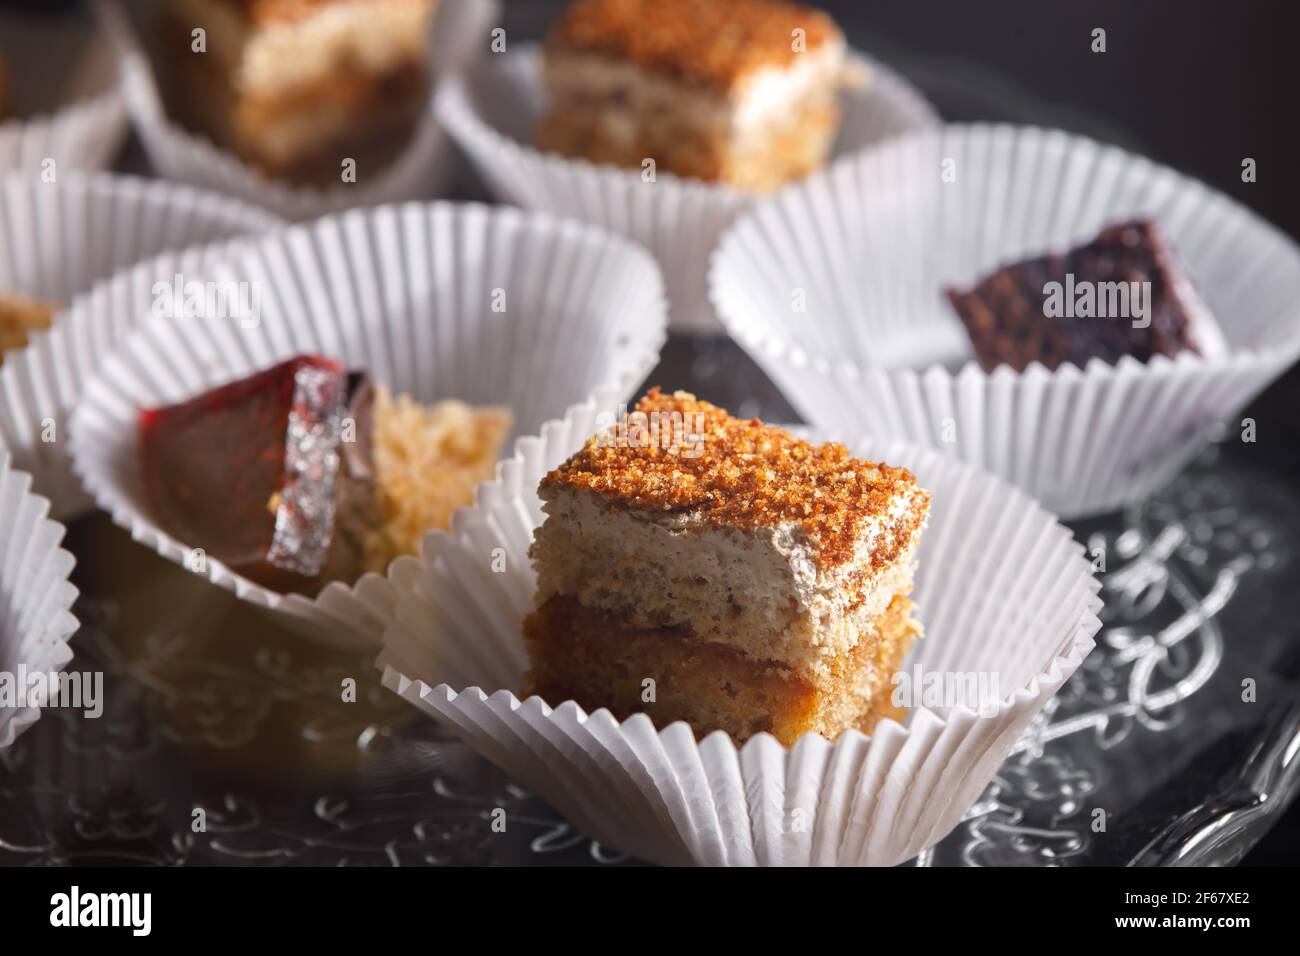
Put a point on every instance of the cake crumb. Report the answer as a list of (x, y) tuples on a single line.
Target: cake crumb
[(427, 459)]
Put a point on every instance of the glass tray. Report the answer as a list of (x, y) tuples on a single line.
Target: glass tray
[(213, 716), (224, 741)]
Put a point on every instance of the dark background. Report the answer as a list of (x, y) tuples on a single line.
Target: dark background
[(1195, 84)]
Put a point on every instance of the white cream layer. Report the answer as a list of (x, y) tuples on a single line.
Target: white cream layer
[(763, 98), (760, 590)]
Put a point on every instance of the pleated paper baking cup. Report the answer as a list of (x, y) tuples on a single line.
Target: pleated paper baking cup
[(491, 306), (77, 118), (1002, 590), (36, 598), (419, 171), (836, 288), (57, 240), (492, 110)]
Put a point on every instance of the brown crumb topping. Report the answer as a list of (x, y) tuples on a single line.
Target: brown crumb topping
[(712, 43), (737, 473), (267, 12)]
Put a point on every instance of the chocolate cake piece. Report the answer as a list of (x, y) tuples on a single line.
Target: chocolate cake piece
[(264, 473), (1121, 294)]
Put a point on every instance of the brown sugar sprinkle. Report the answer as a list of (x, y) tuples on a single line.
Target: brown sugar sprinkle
[(746, 475), (712, 43)]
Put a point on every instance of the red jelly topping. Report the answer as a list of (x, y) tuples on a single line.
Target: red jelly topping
[(249, 471)]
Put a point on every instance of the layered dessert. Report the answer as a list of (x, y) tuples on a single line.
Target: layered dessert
[(21, 316), (697, 567), (742, 92), (294, 87), (1123, 293), (306, 473)]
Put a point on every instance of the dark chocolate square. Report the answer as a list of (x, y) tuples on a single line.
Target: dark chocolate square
[(1039, 309)]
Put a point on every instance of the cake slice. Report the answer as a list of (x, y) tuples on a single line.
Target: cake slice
[(297, 86), (1123, 293), (698, 567), (736, 91)]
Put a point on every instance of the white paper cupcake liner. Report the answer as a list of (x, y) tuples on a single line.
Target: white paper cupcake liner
[(867, 247), (84, 133), (36, 596), (406, 292), (56, 242), (454, 650), (492, 110), (422, 168)]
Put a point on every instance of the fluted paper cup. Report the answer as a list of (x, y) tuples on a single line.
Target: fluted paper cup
[(492, 110), (57, 241), (439, 300), (1001, 589), (36, 596), (420, 170), (68, 108), (835, 288)]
